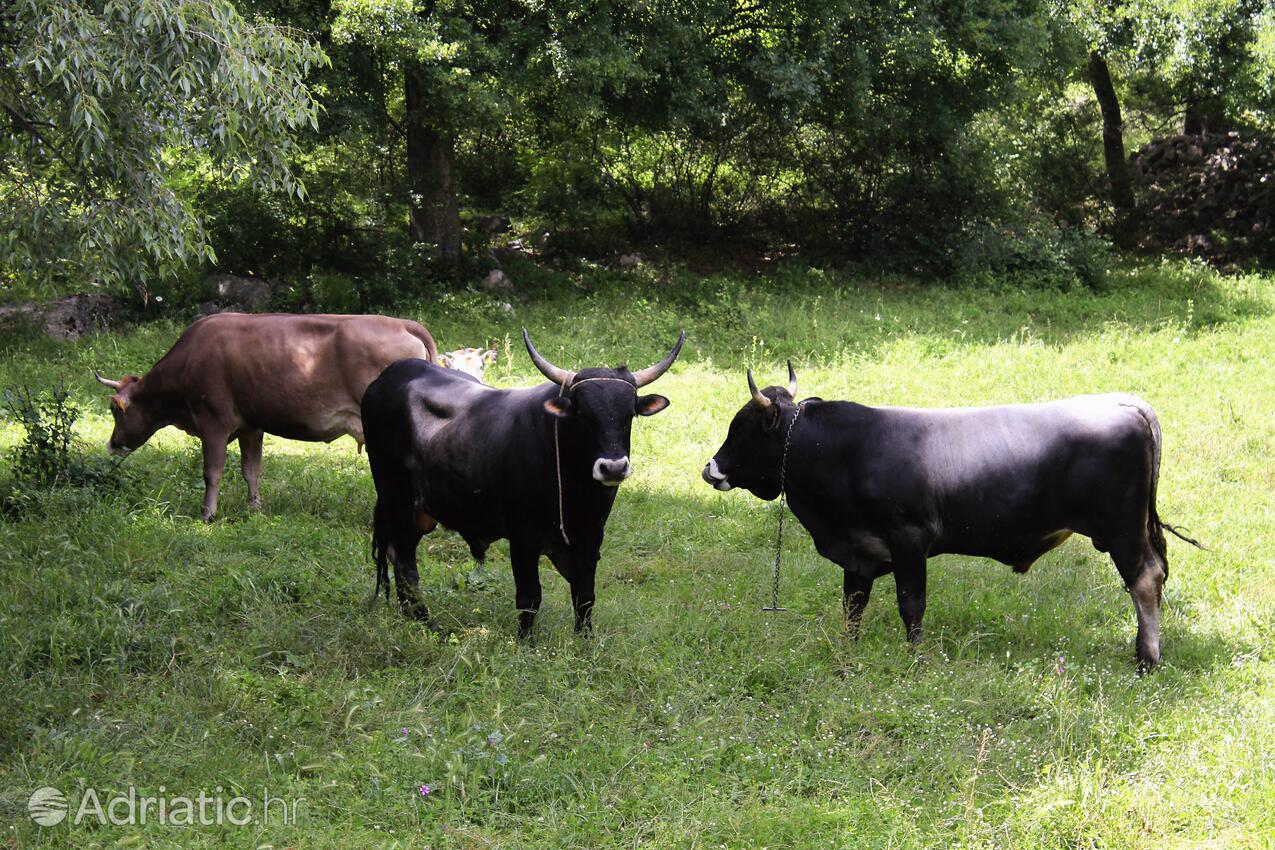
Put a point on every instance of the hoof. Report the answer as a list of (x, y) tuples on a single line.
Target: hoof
[(418, 612)]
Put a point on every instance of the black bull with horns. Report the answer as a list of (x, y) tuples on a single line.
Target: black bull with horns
[(881, 489), (538, 467)]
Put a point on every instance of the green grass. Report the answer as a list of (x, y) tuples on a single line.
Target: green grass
[(142, 647)]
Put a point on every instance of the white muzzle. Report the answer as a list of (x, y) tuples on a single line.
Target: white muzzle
[(611, 471), (714, 476)]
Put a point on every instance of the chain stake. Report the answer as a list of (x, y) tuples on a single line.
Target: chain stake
[(783, 500)]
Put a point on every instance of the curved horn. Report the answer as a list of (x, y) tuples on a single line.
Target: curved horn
[(554, 373), (758, 398), (645, 376), (106, 382), (792, 381)]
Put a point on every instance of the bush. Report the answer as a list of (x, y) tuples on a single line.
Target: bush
[(1033, 255), (49, 456)]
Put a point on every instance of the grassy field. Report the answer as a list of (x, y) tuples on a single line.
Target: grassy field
[(144, 648)]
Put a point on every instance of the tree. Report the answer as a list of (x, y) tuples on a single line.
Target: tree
[(99, 94), (1112, 136), (443, 57)]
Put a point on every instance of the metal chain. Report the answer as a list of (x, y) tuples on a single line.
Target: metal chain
[(557, 468), (783, 500)]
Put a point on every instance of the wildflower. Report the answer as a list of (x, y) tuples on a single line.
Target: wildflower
[(405, 732), (425, 790)]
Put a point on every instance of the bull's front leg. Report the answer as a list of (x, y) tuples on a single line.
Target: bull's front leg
[(582, 594), (525, 560), (579, 566), (214, 463)]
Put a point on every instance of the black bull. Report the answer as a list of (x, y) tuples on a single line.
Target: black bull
[(882, 489), (538, 467)]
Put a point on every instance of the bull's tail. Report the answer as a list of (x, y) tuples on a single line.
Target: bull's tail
[(380, 556), (1156, 526)]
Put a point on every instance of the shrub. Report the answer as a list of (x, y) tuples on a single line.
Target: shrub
[(49, 456), (1033, 255)]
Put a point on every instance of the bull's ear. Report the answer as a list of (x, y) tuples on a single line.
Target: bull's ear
[(649, 405), (490, 355), (559, 406), (445, 360)]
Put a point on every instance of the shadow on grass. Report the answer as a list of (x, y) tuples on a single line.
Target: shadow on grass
[(318, 508)]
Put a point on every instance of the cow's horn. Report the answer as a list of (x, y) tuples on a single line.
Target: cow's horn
[(106, 382), (642, 377), (760, 399), (792, 381), (557, 375)]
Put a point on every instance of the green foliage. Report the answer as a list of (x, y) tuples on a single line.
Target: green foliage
[(98, 95), (43, 458), (48, 456), (859, 129), (1037, 255)]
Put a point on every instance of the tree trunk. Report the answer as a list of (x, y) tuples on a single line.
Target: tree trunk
[(1112, 137), (1204, 115), (431, 154)]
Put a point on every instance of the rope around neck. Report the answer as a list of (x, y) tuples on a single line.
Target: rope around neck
[(783, 498), (557, 451)]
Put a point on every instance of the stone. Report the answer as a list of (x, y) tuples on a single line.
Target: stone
[(489, 223), (63, 318), (497, 281), (232, 292)]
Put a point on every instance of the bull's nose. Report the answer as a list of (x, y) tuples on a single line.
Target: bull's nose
[(714, 476), (611, 471), (117, 451)]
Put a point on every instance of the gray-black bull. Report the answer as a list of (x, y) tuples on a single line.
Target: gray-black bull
[(882, 489), (538, 466)]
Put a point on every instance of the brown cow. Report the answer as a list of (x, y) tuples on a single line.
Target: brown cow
[(237, 376)]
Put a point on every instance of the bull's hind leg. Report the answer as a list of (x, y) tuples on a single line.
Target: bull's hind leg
[(1143, 569), (909, 559), (250, 465), (397, 537), (407, 582), (856, 589)]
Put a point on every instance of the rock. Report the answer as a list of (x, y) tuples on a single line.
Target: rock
[(64, 318), (231, 292), (489, 223), (630, 261), (1207, 195), (497, 281)]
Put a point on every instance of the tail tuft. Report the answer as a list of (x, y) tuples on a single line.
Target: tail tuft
[(380, 557), (1179, 532)]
